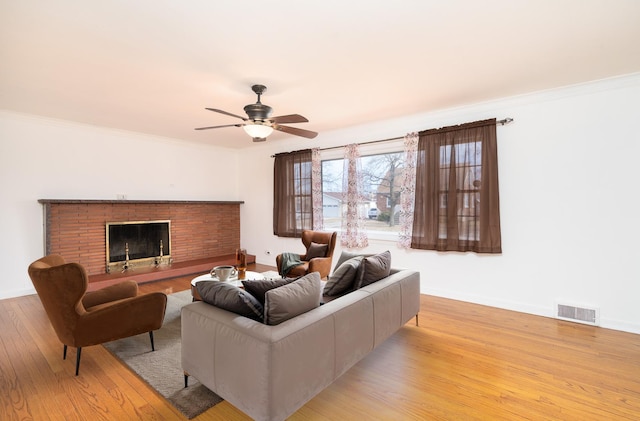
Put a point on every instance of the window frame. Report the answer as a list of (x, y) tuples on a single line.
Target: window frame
[(374, 148)]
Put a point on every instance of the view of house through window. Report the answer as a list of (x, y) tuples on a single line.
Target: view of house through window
[(382, 174)]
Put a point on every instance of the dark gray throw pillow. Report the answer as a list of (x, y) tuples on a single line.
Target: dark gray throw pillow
[(373, 268), (342, 279), (316, 250), (231, 298), (291, 300), (259, 287)]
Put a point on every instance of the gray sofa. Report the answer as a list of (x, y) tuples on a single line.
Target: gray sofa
[(269, 372)]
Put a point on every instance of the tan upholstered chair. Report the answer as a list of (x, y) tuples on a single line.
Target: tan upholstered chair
[(82, 318), (310, 263)]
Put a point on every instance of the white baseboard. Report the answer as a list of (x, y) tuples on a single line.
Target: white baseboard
[(17, 293), (527, 308)]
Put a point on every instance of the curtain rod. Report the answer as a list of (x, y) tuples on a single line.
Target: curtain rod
[(498, 122)]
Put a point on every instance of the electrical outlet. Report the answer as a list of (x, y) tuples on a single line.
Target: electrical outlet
[(121, 196)]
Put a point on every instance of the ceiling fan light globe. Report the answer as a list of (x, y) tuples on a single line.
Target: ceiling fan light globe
[(258, 130)]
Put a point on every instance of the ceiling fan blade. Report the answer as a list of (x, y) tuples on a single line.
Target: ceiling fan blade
[(218, 127), (296, 131), (291, 118), (227, 113)]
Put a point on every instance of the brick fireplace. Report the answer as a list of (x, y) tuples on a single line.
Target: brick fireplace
[(76, 229)]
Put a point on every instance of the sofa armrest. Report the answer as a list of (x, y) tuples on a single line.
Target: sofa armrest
[(408, 284)]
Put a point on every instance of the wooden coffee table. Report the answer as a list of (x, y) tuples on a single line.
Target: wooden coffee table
[(249, 275)]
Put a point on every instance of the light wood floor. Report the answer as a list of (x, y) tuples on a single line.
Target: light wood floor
[(464, 362)]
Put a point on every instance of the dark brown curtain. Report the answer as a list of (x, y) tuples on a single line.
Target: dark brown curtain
[(457, 206), (292, 204)]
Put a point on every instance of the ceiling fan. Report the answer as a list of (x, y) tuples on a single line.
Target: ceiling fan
[(258, 124)]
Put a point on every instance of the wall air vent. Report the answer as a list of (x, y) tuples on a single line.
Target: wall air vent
[(578, 314)]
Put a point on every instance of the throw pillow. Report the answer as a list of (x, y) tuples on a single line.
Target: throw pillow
[(342, 279), (345, 255), (316, 250), (259, 287), (373, 268), (291, 300), (231, 298)]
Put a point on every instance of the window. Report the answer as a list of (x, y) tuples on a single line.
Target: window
[(292, 204), (456, 202), (463, 161), (381, 170)]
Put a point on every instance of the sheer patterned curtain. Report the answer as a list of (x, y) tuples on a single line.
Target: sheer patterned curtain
[(292, 204), (316, 189), (408, 190), (457, 206), (353, 232)]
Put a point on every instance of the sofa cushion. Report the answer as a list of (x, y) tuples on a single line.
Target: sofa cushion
[(343, 278), (316, 250), (293, 299), (231, 298), (259, 287), (373, 268)]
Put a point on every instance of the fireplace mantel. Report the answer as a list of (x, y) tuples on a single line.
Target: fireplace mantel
[(98, 201)]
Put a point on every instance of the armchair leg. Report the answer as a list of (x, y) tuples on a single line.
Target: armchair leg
[(417, 320), (64, 353), (78, 351), (153, 348), (186, 379)]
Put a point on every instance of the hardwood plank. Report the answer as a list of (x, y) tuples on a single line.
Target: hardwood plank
[(464, 362), (13, 399)]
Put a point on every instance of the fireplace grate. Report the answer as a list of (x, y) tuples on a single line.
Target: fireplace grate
[(137, 243)]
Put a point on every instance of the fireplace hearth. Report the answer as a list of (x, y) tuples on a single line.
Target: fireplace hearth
[(133, 244)]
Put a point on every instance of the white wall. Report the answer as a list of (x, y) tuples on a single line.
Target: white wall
[(51, 159), (568, 192)]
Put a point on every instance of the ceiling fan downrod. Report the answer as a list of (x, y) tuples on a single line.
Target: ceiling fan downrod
[(259, 90)]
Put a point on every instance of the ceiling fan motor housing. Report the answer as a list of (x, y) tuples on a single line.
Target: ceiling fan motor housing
[(258, 111)]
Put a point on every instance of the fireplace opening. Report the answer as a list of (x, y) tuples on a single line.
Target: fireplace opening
[(137, 243)]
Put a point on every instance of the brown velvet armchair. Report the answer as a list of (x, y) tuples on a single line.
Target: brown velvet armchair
[(82, 318), (321, 264)]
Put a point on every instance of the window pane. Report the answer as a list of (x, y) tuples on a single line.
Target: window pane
[(382, 176), (466, 159)]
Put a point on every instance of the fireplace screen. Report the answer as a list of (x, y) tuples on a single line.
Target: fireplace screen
[(140, 243)]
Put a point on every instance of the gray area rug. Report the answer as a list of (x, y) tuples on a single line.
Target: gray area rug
[(162, 368)]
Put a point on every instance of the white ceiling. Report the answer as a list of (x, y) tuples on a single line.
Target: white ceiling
[(152, 66)]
